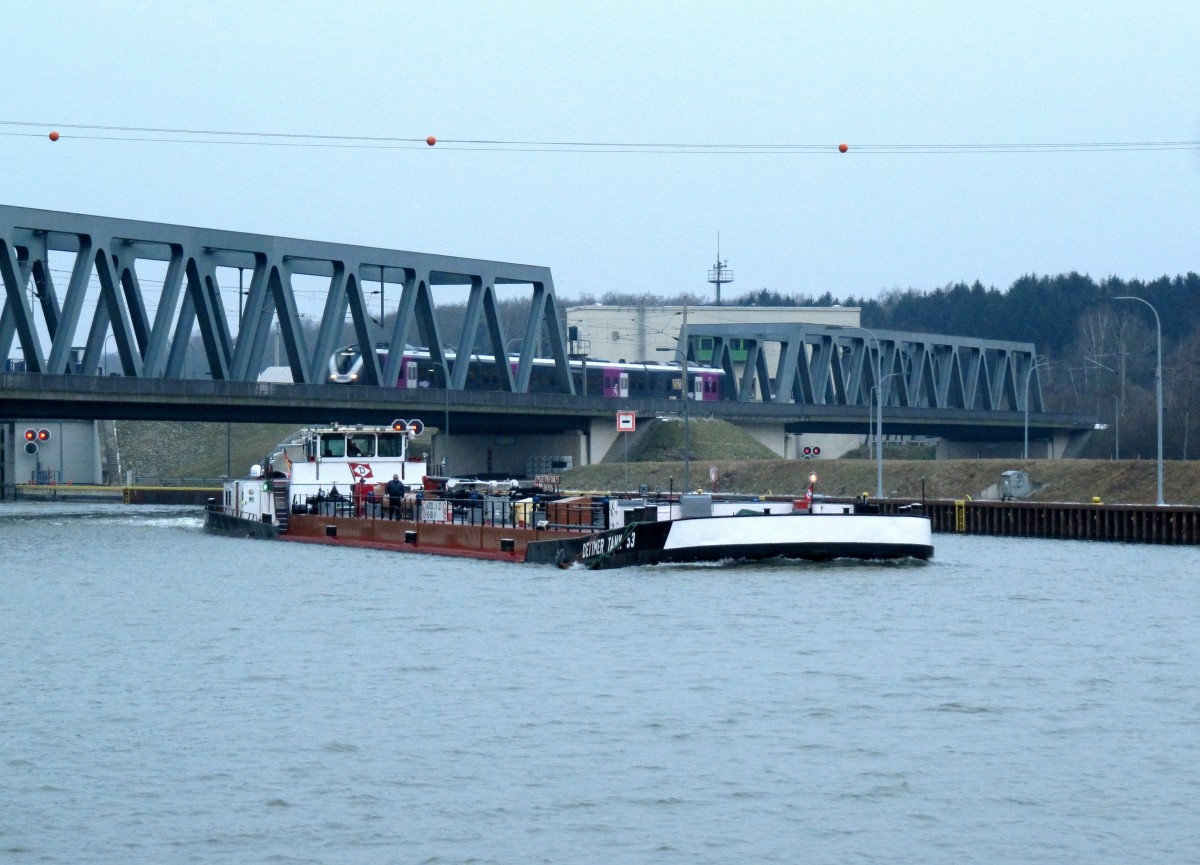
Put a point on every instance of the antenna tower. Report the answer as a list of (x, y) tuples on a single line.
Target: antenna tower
[(719, 273)]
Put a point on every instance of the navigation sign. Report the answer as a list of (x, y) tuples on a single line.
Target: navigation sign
[(626, 421)]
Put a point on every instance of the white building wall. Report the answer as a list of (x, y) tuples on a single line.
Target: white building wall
[(635, 333)]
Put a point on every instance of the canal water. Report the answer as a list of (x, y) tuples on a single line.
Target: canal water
[(166, 696)]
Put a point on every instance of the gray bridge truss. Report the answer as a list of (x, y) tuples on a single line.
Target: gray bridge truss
[(73, 282), (838, 366), (104, 256)]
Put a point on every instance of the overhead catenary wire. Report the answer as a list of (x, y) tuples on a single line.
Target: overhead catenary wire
[(228, 137)]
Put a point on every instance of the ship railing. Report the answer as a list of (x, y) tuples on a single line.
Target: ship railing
[(498, 512)]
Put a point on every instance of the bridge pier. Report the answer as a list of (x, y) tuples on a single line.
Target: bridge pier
[(509, 455), (791, 446)]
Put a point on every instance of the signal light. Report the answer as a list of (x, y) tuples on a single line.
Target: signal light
[(816, 450), (43, 435), (415, 427), (30, 435)]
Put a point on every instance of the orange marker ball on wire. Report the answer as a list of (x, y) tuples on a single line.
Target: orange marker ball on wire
[(431, 141), (54, 135), (843, 147)]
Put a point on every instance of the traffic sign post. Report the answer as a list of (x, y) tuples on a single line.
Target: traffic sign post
[(626, 423)]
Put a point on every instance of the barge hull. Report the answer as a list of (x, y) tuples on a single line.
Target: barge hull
[(217, 522), (714, 539)]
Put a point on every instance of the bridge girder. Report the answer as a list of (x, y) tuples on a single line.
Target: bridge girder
[(823, 365), (25, 395), (190, 302)]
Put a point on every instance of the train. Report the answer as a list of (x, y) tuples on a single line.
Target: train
[(591, 376)]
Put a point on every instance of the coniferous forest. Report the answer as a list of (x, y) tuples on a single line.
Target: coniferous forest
[(1101, 351)]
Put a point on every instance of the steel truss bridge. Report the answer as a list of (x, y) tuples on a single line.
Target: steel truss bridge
[(830, 365), (190, 301), (969, 390)]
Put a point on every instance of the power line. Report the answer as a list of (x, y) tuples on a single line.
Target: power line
[(227, 137)]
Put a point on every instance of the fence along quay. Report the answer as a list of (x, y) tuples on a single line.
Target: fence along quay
[(1139, 524)]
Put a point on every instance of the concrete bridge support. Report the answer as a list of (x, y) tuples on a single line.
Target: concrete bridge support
[(509, 455), (791, 446)]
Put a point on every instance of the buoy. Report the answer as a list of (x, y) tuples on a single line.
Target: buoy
[(843, 147), (54, 135), (431, 141)]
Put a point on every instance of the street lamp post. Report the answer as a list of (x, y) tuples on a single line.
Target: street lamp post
[(687, 397), (446, 446), (1158, 396), (1117, 424), (107, 367), (1028, 375), (878, 390)]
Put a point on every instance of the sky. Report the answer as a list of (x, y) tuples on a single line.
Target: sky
[(874, 75)]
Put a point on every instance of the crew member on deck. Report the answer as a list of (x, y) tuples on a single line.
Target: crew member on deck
[(395, 490)]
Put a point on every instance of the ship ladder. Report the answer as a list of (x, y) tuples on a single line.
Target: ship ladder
[(281, 507)]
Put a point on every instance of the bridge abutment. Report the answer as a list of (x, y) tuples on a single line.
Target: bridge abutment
[(509, 455)]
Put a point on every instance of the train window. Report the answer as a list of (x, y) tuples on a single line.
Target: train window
[(361, 445), (333, 446)]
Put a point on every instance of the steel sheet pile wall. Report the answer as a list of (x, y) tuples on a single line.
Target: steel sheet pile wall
[(1148, 524)]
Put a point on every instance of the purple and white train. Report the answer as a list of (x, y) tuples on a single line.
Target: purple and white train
[(604, 378)]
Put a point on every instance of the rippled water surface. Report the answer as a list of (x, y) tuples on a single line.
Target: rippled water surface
[(166, 696)]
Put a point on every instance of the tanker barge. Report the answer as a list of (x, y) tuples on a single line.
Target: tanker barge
[(358, 486)]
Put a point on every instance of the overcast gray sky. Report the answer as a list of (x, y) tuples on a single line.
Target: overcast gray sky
[(758, 73)]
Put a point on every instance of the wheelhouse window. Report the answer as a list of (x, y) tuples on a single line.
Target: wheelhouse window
[(391, 444), (333, 446), (360, 445)]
